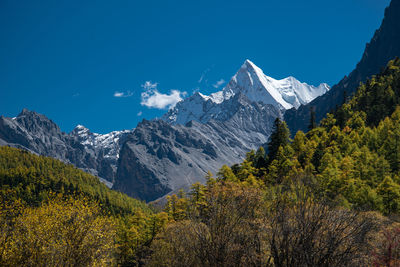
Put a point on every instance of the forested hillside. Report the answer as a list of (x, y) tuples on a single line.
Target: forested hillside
[(316, 200), (53, 214), (33, 178), (353, 156)]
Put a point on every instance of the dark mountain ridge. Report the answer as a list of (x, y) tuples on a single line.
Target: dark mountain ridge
[(383, 47)]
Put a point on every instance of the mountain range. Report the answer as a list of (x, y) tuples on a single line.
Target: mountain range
[(201, 133), (250, 81)]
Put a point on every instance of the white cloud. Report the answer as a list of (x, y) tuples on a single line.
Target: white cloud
[(152, 98), (219, 83), (123, 94), (139, 113), (148, 85)]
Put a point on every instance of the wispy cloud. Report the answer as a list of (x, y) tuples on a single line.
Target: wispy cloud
[(219, 83), (139, 113), (152, 98), (76, 95), (123, 94), (203, 75)]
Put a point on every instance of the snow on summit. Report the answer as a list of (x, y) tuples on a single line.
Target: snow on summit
[(108, 142), (286, 93), (250, 81)]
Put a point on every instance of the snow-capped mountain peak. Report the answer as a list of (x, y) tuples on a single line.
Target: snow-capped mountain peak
[(109, 143), (250, 81), (81, 130), (286, 93)]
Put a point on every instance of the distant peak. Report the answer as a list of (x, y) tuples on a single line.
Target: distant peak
[(79, 126), (197, 94), (25, 111), (291, 78), (248, 64), (80, 129), (248, 61)]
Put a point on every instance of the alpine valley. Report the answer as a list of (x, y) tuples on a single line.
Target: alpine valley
[(200, 134)]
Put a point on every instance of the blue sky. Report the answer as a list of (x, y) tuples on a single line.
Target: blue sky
[(109, 64)]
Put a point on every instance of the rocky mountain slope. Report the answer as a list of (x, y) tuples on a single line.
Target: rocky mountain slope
[(94, 153), (160, 158), (383, 47)]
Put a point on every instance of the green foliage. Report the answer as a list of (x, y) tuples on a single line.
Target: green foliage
[(135, 234), (354, 155), (29, 184), (33, 178), (378, 97), (390, 193), (279, 137), (61, 232)]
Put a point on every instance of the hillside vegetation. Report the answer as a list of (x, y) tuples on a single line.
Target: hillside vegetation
[(54, 214), (351, 159), (32, 178)]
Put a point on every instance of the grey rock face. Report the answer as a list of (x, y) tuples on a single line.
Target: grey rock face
[(104, 147), (38, 134), (159, 158)]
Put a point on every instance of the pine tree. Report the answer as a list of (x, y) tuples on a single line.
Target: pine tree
[(390, 193), (226, 173), (313, 123), (278, 138), (260, 160), (344, 97)]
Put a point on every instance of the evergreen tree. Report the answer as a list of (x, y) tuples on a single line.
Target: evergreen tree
[(279, 138), (344, 97), (313, 123), (226, 173), (260, 160), (390, 193)]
